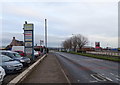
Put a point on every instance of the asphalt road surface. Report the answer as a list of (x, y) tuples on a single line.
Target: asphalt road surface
[(81, 69)]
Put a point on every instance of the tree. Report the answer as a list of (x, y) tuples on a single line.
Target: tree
[(81, 41), (74, 41)]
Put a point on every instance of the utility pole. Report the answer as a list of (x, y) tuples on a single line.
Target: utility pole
[(46, 34)]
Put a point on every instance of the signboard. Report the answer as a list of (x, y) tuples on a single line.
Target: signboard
[(97, 44), (29, 51), (28, 26), (29, 42), (28, 32)]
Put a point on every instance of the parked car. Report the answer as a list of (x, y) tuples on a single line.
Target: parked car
[(39, 53), (2, 74), (19, 49), (15, 48), (36, 53), (16, 56), (10, 65), (20, 52)]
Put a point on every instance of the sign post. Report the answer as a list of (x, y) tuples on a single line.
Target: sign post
[(29, 40)]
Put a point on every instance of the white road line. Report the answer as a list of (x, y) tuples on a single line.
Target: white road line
[(78, 80), (93, 81), (111, 73), (117, 79), (95, 77), (106, 77), (103, 78), (115, 75)]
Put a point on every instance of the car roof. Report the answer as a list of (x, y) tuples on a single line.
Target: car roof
[(2, 55), (8, 51), (18, 50)]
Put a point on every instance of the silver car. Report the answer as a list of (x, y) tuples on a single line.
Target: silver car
[(2, 74), (10, 65)]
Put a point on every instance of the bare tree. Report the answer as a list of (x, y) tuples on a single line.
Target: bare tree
[(77, 40), (74, 42), (81, 41)]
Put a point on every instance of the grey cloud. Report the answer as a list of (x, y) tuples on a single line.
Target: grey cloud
[(87, 18)]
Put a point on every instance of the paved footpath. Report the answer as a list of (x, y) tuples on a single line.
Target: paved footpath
[(48, 71)]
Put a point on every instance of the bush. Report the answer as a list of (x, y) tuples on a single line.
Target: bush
[(97, 56)]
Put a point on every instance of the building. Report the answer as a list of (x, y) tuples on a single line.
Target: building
[(14, 42)]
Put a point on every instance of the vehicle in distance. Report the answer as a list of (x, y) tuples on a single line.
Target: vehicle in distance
[(2, 74), (36, 53), (19, 49), (17, 57), (20, 52), (10, 65)]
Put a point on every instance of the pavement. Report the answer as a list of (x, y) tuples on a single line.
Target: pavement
[(48, 71)]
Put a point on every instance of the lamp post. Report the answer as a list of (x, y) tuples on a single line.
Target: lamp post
[(46, 35)]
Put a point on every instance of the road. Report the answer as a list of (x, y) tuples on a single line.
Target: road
[(81, 69)]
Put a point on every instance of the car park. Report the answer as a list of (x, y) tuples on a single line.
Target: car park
[(10, 65), (2, 74), (17, 57)]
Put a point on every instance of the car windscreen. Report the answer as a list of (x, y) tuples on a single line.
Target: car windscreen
[(16, 55), (6, 59)]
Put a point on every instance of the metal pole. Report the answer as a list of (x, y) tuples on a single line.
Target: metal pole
[(46, 34), (40, 42)]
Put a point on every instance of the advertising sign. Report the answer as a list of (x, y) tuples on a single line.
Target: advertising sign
[(28, 26), (97, 44), (28, 44), (29, 51), (28, 38)]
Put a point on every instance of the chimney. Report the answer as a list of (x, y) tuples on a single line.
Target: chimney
[(13, 38)]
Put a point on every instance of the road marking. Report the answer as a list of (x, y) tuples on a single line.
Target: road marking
[(117, 79), (78, 80), (95, 77), (111, 73), (106, 77), (100, 77), (115, 75), (93, 81)]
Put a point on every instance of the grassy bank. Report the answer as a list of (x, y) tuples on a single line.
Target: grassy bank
[(98, 56)]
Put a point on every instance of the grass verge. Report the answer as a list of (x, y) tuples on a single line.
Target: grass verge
[(98, 56)]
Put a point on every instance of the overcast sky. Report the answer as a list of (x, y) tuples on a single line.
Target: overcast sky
[(95, 19)]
